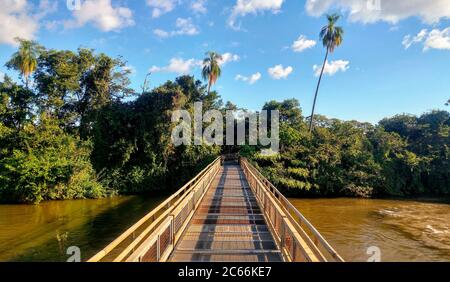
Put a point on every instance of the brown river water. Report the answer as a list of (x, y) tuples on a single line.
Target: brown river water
[(402, 230)]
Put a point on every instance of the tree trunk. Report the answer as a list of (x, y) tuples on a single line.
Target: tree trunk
[(317, 91), (209, 87)]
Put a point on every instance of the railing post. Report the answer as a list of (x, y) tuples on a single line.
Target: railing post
[(282, 236), (172, 231), (158, 248)]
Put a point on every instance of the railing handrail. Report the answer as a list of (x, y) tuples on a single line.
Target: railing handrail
[(167, 204), (288, 207)]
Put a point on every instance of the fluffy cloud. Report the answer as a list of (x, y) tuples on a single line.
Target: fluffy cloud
[(245, 7), (332, 68), (438, 39), (302, 43), (2, 76), (278, 72), (17, 20), (198, 6), (250, 79), (161, 33), (228, 57), (434, 39), (178, 66), (392, 11), (161, 7), (102, 15), (183, 27), (181, 66)]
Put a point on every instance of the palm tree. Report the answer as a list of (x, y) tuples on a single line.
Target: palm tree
[(211, 68), (331, 36), (25, 59)]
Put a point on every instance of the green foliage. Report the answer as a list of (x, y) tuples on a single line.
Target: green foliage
[(133, 140), (15, 104), (332, 35), (428, 153), (73, 86), (290, 111), (211, 71), (44, 163), (72, 136), (403, 156), (25, 59)]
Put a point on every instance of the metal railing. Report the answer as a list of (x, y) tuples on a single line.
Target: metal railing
[(296, 237), (153, 237)]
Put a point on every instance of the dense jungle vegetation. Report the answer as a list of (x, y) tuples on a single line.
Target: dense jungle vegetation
[(75, 129), (404, 155), (72, 134)]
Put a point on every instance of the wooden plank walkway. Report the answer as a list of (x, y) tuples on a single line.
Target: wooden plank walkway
[(228, 226)]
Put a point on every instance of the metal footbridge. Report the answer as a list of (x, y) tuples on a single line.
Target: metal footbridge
[(229, 212)]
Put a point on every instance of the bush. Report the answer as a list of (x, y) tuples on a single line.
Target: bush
[(47, 164)]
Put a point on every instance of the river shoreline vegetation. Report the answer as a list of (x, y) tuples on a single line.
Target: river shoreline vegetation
[(72, 134), (74, 129), (402, 156)]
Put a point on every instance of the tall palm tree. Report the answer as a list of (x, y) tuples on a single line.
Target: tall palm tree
[(211, 68), (331, 36), (25, 59)]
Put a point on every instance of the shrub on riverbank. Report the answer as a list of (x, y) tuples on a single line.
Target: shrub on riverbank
[(41, 162)]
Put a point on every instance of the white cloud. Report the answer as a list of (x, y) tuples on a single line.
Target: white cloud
[(438, 39), (254, 78), (332, 68), (198, 6), (228, 58), (251, 79), (17, 20), (302, 43), (409, 40), (161, 7), (178, 65), (392, 11), (47, 7), (183, 27), (102, 15), (245, 7), (434, 39), (278, 72), (161, 33), (2, 76), (181, 66)]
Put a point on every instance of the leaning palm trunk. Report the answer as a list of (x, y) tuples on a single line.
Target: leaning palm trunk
[(317, 91)]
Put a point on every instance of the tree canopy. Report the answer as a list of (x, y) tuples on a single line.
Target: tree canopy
[(404, 155), (71, 134)]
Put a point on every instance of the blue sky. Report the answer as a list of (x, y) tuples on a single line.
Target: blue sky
[(394, 59)]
